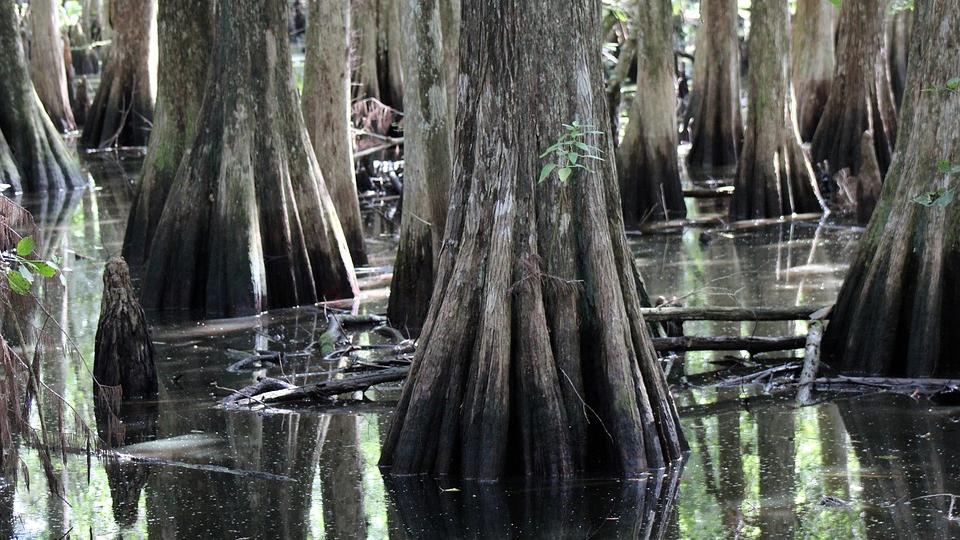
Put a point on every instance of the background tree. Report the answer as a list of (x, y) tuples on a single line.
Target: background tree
[(774, 177), (122, 111), (326, 110), (717, 125), (389, 53), (185, 33), (249, 223), (47, 67), (860, 96), (534, 358), (363, 27), (32, 154), (813, 56), (896, 314), (899, 34), (428, 166), (647, 157)]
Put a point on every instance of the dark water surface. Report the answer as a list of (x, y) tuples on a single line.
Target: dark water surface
[(877, 466)]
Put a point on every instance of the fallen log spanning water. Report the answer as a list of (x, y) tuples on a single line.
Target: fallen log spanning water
[(709, 313), (729, 343)]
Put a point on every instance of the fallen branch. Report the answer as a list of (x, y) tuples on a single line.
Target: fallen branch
[(729, 343), (811, 362), (707, 313), (327, 389), (913, 386), (707, 193)]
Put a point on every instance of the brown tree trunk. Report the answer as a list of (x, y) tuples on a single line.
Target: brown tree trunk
[(895, 315), (898, 46), (47, 67), (326, 110), (249, 223), (363, 58), (813, 59), (428, 167), (860, 96), (33, 157), (185, 37), (534, 357), (389, 53), (774, 177), (96, 19), (122, 111), (717, 125), (647, 158)]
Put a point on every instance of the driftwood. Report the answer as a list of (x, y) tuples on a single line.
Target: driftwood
[(707, 313), (892, 384), (729, 343), (327, 389), (811, 362), (266, 384)]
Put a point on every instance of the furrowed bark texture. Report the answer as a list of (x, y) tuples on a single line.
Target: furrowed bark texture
[(774, 177), (326, 110), (122, 111), (717, 124), (33, 157), (813, 58), (185, 32), (895, 315), (47, 67), (428, 163), (860, 96), (534, 357), (249, 223), (647, 158), (450, 23)]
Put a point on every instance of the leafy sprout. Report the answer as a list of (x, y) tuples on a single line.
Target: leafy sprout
[(21, 270), (569, 152), (942, 196)]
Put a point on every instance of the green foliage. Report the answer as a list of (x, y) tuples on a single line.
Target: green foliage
[(943, 196), (952, 86), (902, 5), (569, 152), (70, 13), (21, 270)]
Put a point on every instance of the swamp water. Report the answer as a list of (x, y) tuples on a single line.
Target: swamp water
[(866, 466)]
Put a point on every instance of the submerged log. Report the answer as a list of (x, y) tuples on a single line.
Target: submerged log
[(124, 353), (729, 343), (710, 313), (326, 389)]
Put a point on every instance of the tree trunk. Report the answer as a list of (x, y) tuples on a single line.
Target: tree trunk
[(341, 483), (898, 45), (363, 27), (326, 110), (47, 67), (717, 124), (428, 166), (450, 25), (249, 223), (389, 53), (774, 177), (813, 60), (33, 157), (860, 96), (96, 20), (895, 315), (185, 37), (647, 158), (122, 111), (534, 357)]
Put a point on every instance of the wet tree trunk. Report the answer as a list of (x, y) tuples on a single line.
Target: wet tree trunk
[(813, 59), (47, 67), (326, 110), (428, 166), (896, 313), (647, 158), (249, 223), (717, 124), (33, 157), (534, 357), (898, 45), (185, 38), (122, 111), (774, 177), (860, 96)]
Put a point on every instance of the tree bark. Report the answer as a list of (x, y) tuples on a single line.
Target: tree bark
[(647, 158), (895, 315), (813, 58), (47, 67), (33, 157), (326, 110), (248, 224), (363, 21), (774, 177), (428, 166), (899, 34), (860, 96), (717, 124), (534, 357), (122, 111), (185, 37), (96, 20), (389, 53)]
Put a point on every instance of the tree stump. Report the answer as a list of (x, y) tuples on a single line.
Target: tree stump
[(124, 354)]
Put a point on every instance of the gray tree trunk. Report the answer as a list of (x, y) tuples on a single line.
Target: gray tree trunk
[(185, 33), (896, 313), (535, 318), (47, 67), (249, 223), (899, 34), (389, 53), (326, 110), (122, 111), (813, 60), (363, 29)]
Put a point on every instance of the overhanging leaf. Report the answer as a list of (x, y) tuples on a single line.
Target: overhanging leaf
[(545, 171), (18, 283), (25, 246)]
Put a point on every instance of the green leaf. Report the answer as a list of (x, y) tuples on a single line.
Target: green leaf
[(564, 174), (545, 171), (44, 269), (943, 166), (953, 84), (583, 146), (572, 157), (945, 198), (18, 283), (835, 2), (25, 246)]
